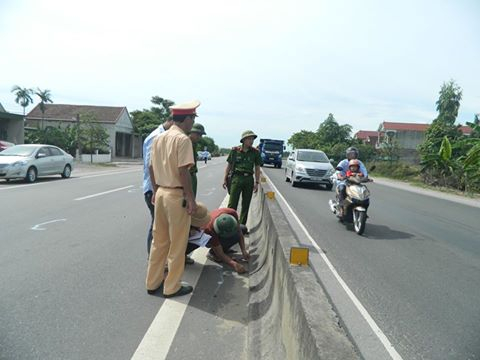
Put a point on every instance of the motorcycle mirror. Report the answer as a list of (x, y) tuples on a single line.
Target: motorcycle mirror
[(373, 167), (338, 168)]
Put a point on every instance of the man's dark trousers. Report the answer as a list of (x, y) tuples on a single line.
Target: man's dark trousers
[(148, 200)]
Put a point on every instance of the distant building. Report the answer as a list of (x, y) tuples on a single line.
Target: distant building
[(115, 120), (407, 135), (11, 127), (368, 137)]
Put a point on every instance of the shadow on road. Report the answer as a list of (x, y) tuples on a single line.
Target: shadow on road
[(382, 232), (23, 182)]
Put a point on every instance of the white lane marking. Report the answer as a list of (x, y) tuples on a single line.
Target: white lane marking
[(156, 343), (104, 193), (13, 187), (373, 325), (38, 226), (92, 175)]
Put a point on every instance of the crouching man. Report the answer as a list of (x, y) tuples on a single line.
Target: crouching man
[(223, 231)]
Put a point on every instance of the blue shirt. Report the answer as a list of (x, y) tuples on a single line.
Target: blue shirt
[(147, 146), (344, 165)]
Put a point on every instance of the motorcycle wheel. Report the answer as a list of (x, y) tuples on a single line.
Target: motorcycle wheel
[(359, 219)]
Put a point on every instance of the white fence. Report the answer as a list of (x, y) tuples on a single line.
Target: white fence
[(96, 158)]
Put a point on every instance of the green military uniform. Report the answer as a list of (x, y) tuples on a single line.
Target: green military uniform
[(199, 129), (194, 170), (244, 163)]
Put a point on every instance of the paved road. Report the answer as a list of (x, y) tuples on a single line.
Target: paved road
[(72, 270), (416, 270)]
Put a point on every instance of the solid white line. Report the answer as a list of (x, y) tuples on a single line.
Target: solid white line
[(373, 325), (37, 227), (156, 343), (103, 193)]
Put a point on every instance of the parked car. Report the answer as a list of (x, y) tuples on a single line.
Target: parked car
[(309, 166), (29, 161), (5, 144)]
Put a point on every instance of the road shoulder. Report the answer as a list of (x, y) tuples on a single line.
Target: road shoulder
[(428, 192)]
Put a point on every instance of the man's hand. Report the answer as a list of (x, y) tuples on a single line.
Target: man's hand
[(238, 267), (255, 187), (152, 200), (225, 184), (246, 255), (191, 206)]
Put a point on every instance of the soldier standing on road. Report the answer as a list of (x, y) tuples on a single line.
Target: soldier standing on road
[(195, 135), (171, 159), (147, 183), (245, 161)]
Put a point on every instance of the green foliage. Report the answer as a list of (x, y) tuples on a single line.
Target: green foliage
[(331, 138), (304, 140), (147, 120), (444, 125), (23, 96), (65, 138), (209, 143), (92, 135), (396, 170), (330, 132), (45, 97)]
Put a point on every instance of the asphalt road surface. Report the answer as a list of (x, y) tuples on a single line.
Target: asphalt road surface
[(416, 270), (72, 268)]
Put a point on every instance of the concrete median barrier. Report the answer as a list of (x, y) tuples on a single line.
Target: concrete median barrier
[(290, 316)]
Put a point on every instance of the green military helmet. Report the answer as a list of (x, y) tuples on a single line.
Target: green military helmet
[(198, 128), (225, 225), (246, 134)]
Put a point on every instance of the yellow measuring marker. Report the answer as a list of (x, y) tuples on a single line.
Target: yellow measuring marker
[(299, 256), (270, 195)]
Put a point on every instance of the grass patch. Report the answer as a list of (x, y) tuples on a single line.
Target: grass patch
[(411, 174)]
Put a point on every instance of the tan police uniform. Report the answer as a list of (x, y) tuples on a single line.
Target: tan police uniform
[(170, 151)]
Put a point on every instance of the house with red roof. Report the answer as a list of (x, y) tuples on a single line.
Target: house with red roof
[(368, 137), (115, 119), (407, 135)]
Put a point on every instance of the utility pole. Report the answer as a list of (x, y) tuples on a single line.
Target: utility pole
[(77, 155)]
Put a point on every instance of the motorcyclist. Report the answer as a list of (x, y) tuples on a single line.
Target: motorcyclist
[(342, 168)]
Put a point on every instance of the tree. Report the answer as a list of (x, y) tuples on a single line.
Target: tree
[(22, 97), (303, 140), (442, 127), (331, 133), (146, 120), (45, 97), (92, 135), (209, 143)]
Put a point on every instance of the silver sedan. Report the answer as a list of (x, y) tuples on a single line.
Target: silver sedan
[(29, 161)]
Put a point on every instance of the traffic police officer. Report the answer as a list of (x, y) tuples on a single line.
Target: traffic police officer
[(195, 135), (244, 161), (171, 158)]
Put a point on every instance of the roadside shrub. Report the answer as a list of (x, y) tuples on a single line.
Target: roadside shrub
[(395, 170)]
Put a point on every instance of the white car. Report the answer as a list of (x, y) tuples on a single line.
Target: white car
[(309, 166), (29, 161)]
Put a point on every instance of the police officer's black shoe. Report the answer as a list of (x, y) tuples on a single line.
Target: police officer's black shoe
[(184, 290), (151, 292)]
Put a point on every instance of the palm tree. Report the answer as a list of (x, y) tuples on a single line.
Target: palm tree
[(45, 97), (22, 97)]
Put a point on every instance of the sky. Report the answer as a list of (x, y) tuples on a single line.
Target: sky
[(272, 66)]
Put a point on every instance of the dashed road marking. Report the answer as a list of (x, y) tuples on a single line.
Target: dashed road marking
[(103, 193)]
